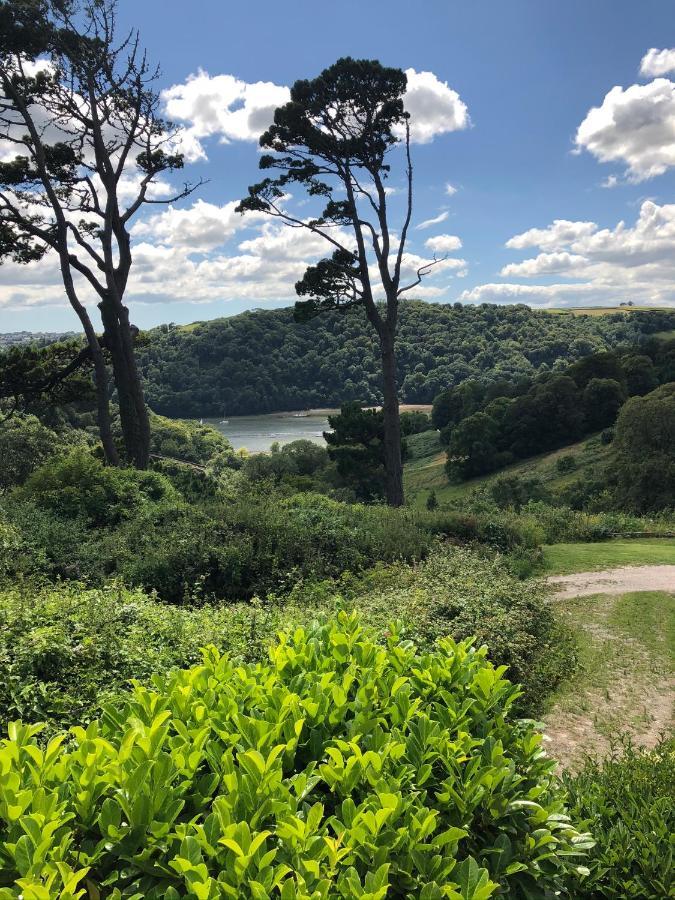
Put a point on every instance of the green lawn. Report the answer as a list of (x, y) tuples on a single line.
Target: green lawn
[(564, 559)]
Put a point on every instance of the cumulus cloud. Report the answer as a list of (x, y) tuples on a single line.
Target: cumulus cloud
[(599, 265), (544, 264), (443, 243), (427, 223), (198, 228), (634, 126), (222, 106), (556, 235), (281, 243), (207, 253), (450, 189), (657, 62), (234, 110), (434, 107)]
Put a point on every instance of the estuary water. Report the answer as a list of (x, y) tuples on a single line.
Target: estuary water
[(258, 433)]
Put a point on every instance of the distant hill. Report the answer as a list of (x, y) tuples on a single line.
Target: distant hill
[(262, 361), (41, 338)]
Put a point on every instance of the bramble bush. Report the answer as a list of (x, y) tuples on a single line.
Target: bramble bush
[(628, 801), (65, 649), (341, 768)]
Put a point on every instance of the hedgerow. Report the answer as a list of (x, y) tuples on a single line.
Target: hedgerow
[(341, 768)]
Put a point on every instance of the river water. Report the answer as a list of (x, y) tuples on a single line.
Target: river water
[(258, 433)]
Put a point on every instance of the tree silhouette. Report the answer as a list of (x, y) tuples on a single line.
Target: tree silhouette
[(333, 138), (80, 107)]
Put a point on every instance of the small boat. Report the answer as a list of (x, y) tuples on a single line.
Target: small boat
[(301, 415), (224, 422)]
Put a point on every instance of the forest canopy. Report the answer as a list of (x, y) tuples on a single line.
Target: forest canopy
[(263, 361)]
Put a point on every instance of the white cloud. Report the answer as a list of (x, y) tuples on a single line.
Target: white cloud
[(443, 243), (657, 62), (544, 264), (198, 228), (427, 223), (234, 110), (222, 106), (433, 106), (635, 126), (199, 254), (600, 266), (557, 235), (610, 182), (450, 189), (277, 242)]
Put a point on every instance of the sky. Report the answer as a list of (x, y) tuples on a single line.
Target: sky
[(543, 152)]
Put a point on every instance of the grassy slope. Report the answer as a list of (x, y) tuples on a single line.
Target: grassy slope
[(598, 310), (564, 559), (425, 470), (625, 679)]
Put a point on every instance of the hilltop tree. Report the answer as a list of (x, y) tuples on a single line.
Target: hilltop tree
[(602, 400), (334, 138), (80, 107)]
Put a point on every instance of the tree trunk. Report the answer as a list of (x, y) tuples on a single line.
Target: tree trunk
[(103, 407), (100, 373), (392, 424), (134, 418), (128, 335)]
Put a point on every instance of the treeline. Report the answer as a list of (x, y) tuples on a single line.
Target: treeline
[(487, 427), (263, 361)]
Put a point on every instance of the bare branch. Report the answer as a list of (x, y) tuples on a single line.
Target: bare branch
[(421, 272)]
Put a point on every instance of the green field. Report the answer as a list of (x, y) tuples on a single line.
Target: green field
[(564, 559), (425, 470)]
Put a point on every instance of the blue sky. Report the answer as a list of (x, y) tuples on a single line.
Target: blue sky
[(528, 73)]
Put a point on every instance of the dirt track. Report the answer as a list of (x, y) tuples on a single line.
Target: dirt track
[(636, 695), (624, 580)]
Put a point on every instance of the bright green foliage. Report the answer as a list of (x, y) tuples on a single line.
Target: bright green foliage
[(629, 802), (339, 769), (67, 649), (458, 593)]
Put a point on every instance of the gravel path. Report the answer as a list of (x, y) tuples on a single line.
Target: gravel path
[(624, 580)]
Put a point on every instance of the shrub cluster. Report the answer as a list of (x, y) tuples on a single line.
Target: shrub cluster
[(74, 518), (629, 802), (460, 594), (340, 768), (65, 649), (78, 519)]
